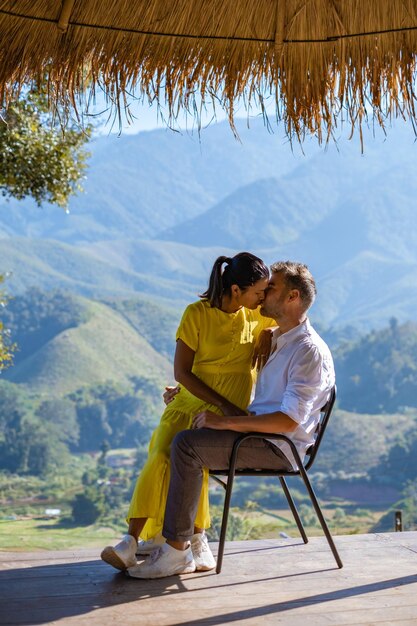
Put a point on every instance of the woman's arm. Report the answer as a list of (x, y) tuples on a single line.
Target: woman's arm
[(262, 348), (183, 363)]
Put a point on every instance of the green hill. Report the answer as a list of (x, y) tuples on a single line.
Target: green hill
[(85, 374), (104, 346), (155, 322)]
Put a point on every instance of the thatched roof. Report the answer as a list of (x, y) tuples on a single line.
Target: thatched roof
[(318, 60)]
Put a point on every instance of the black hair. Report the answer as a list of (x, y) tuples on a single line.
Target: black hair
[(243, 270)]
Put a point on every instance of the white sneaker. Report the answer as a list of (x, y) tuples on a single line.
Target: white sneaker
[(166, 561), (122, 555), (147, 547), (203, 557)]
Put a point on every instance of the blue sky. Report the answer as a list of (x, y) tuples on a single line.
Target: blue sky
[(148, 117)]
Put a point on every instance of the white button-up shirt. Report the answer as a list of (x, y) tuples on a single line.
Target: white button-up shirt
[(296, 380)]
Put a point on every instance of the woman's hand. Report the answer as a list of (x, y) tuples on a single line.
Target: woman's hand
[(170, 393), (262, 348)]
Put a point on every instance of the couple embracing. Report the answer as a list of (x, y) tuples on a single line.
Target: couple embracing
[(246, 304)]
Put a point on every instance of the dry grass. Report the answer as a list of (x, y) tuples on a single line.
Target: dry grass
[(315, 58)]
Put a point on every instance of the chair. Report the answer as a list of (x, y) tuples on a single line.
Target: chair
[(281, 474)]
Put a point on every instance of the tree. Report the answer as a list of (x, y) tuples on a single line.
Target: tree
[(37, 158), (59, 416), (339, 517), (27, 444), (15, 407), (6, 347), (398, 466), (87, 507), (308, 515)]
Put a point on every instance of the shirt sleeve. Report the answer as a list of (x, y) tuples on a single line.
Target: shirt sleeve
[(306, 380), (189, 328)]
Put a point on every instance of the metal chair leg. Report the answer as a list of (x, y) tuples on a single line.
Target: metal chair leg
[(293, 509), (226, 507), (319, 514), (225, 518)]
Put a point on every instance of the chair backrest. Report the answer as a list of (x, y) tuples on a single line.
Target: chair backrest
[(325, 413)]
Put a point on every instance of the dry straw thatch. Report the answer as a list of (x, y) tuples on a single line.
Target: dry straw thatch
[(318, 60)]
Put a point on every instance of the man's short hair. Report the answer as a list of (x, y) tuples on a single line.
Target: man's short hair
[(298, 276)]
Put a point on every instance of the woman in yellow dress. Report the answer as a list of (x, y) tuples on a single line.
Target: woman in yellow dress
[(213, 366)]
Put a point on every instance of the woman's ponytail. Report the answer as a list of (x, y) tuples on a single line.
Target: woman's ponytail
[(215, 289)]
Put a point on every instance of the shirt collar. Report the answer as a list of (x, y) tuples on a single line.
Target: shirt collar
[(291, 335)]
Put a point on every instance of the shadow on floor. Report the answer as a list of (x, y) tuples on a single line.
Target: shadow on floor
[(279, 607), (47, 593)]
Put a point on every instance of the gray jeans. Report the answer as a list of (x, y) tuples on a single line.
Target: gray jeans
[(191, 451)]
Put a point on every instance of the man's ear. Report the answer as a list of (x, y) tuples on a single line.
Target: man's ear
[(293, 295)]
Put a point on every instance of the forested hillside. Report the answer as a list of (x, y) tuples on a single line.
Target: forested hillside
[(84, 373), (378, 372), (89, 376), (103, 365)]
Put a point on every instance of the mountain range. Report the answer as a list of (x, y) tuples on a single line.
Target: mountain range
[(160, 206)]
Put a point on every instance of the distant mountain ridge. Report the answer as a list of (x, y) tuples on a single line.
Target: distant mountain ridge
[(268, 211), (138, 185), (159, 208)]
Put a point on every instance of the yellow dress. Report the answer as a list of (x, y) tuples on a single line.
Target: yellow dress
[(223, 345)]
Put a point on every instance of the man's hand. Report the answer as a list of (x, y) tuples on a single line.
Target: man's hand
[(170, 393), (262, 348), (208, 419), (276, 422)]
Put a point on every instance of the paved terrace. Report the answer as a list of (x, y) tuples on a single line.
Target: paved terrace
[(262, 582)]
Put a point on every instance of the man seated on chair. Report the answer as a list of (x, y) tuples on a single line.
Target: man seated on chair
[(291, 389)]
